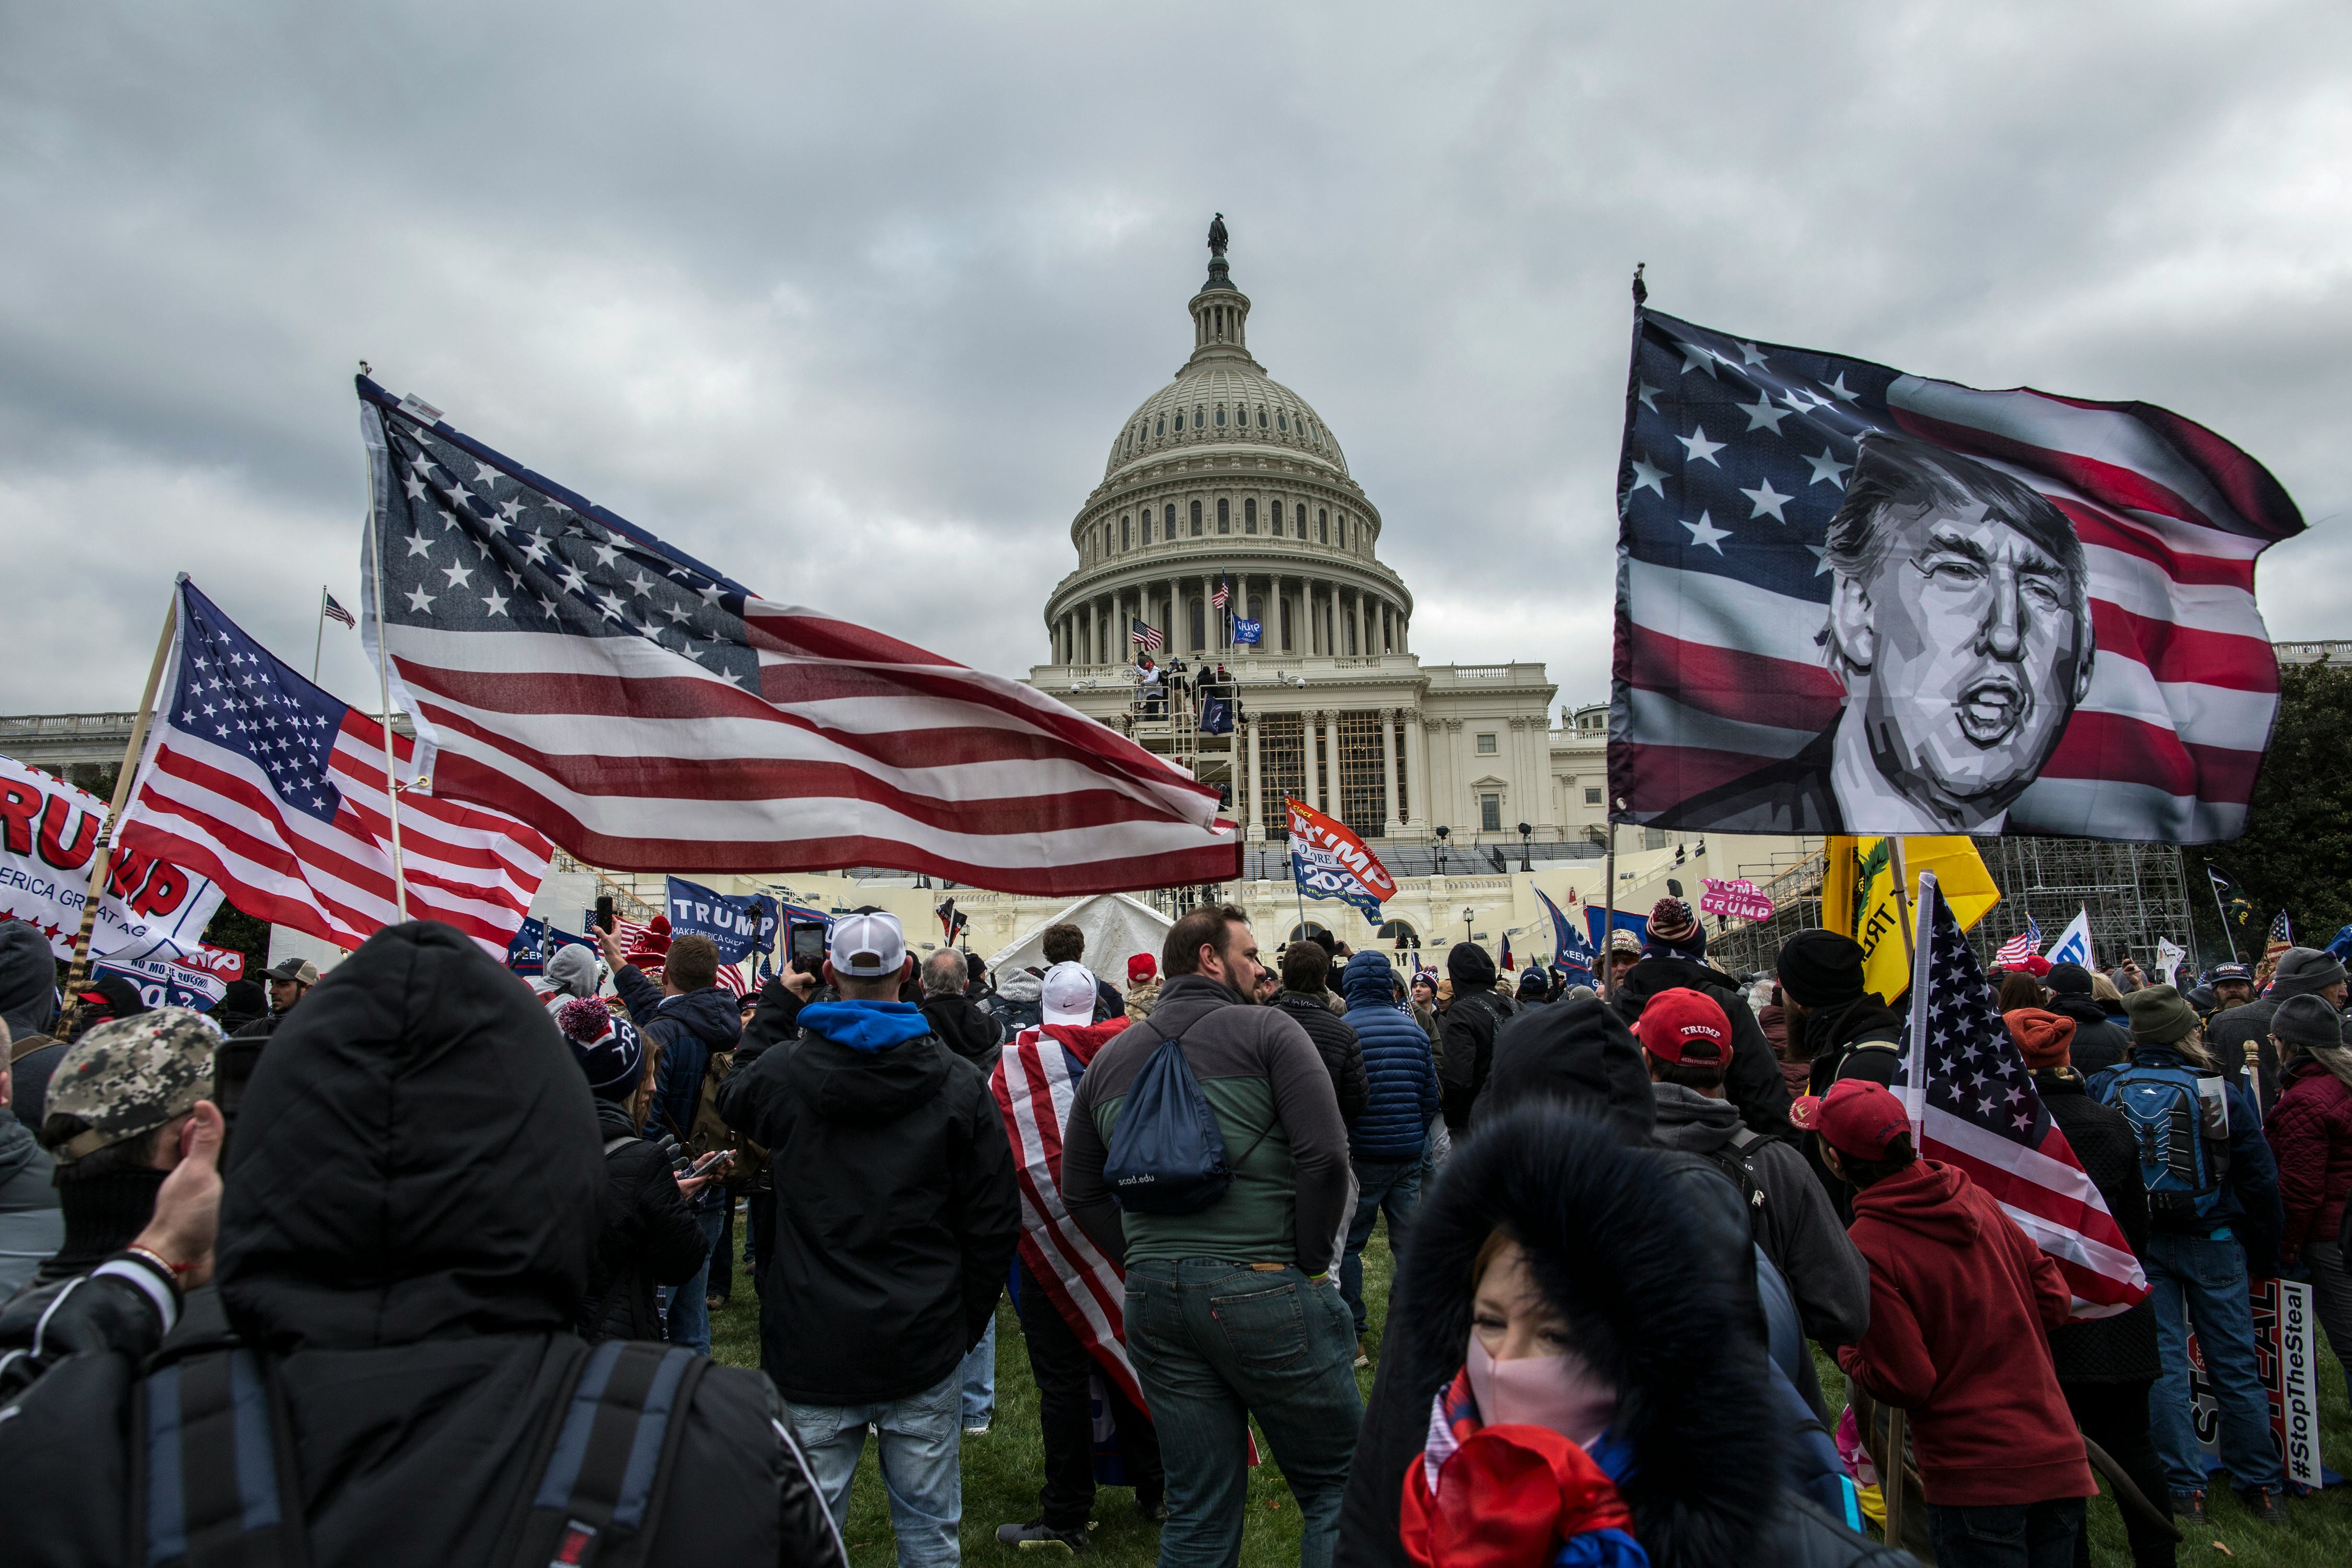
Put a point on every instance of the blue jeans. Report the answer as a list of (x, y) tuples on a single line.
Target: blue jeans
[(1391, 1184), (1215, 1343), (921, 1443), (977, 1378), (2201, 1279), (689, 1320), (2011, 1535)]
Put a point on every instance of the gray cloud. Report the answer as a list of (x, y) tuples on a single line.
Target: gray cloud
[(852, 301)]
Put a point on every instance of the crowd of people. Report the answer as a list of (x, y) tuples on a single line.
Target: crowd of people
[(417, 1261)]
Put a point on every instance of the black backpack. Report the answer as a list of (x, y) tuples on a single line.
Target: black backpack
[(211, 1463), (1167, 1154), (1731, 1158)]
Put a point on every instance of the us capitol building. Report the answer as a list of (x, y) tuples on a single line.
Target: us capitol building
[(1226, 479)]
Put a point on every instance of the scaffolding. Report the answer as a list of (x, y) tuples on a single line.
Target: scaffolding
[(2134, 893), (1281, 767), (1363, 786)]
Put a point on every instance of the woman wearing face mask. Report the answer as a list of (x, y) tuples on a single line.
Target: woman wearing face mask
[(1587, 1361)]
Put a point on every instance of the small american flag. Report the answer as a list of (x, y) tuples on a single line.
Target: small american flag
[(1223, 593), (335, 612), (2281, 933), (1978, 1110), (266, 783), (653, 714), (1146, 635), (2021, 947)]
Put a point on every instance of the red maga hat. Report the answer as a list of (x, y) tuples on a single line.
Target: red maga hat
[(1685, 1027), (1856, 1117)]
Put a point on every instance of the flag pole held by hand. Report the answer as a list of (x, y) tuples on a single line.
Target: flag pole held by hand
[(102, 860)]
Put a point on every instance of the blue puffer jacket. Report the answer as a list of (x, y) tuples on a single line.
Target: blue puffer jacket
[(1403, 1078)]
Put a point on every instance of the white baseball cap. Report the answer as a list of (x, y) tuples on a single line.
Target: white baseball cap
[(868, 947), (1068, 993)]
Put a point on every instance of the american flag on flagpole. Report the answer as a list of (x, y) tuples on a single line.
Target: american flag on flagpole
[(263, 782), (1975, 1107), (2025, 944), (333, 611), (1223, 594), (1145, 635), (653, 714)]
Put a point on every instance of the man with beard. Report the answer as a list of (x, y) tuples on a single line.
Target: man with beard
[(1961, 625)]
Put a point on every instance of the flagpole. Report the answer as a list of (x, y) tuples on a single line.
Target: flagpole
[(2221, 909), (319, 643), (1903, 913), (1914, 1055), (383, 697), (1609, 917), (100, 861)]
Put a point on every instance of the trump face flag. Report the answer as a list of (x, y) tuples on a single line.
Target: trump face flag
[(1850, 600), (1329, 861), (1973, 1103), (652, 713)]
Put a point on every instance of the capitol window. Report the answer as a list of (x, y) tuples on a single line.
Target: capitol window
[(1125, 534), (1249, 515), (1322, 525), (1162, 428), (1220, 415), (1301, 510), (1592, 795), (1169, 519), (1224, 515), (1261, 418), (1274, 518), (1281, 420), (1200, 417), (1485, 745), (1490, 814), (1196, 520), (1180, 421), (1146, 526)]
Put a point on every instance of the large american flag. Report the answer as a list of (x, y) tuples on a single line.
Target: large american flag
[(2025, 944), (1737, 454), (1036, 1078), (278, 792), (1144, 633), (651, 713), (1978, 1109)]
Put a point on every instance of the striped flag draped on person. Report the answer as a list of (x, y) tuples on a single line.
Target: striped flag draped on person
[(651, 713), (1975, 1108), (268, 784)]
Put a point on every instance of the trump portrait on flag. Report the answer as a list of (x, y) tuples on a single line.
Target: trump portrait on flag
[(1959, 626)]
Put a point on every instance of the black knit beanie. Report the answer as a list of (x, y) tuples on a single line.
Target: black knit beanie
[(1821, 968)]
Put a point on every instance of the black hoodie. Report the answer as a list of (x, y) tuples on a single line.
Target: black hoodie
[(1655, 1295), (409, 1211), (896, 1214)]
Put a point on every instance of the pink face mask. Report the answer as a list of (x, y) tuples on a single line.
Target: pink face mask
[(1558, 1392)]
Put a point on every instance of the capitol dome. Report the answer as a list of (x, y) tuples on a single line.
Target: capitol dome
[(1226, 479)]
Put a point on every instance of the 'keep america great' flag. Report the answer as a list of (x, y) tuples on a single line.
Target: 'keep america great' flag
[(1853, 600), (648, 713)]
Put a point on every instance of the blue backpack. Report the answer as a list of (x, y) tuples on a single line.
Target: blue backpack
[(1167, 1154), (2180, 1122)]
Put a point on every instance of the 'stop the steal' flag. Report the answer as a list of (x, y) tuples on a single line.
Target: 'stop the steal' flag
[(1329, 861), (649, 712), (1850, 600)]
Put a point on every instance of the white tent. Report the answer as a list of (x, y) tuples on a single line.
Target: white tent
[(1117, 928)]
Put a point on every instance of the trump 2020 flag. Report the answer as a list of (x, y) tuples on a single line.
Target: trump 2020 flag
[(1570, 952), (1850, 600), (651, 713), (1329, 861)]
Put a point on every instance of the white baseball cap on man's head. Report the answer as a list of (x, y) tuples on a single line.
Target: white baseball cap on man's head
[(868, 947), (1067, 993)]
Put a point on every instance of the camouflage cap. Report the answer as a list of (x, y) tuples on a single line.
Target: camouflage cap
[(131, 1076)]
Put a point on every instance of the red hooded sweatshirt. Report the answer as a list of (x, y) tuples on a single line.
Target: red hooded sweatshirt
[(1961, 1304)]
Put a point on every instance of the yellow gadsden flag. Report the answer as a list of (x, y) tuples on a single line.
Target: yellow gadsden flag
[(1858, 897)]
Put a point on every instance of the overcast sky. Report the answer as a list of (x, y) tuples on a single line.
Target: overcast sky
[(851, 301)]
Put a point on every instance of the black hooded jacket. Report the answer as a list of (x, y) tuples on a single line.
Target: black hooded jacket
[(1753, 1081), (966, 1030), (1467, 1027), (409, 1212), (896, 1214), (648, 1235), (1654, 1294), (1832, 1033), (2099, 1042)]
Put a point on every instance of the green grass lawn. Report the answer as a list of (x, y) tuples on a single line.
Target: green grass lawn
[(1003, 1471)]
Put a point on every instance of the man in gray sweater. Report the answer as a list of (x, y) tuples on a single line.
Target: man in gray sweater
[(1232, 1311)]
